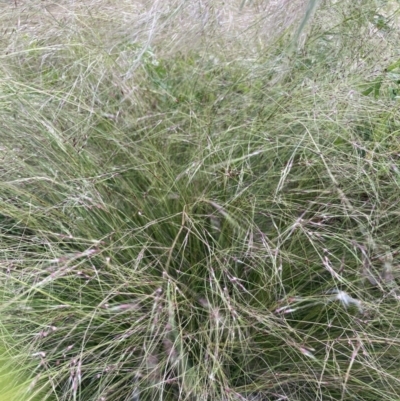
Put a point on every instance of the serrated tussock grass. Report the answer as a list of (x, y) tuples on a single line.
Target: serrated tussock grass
[(210, 222)]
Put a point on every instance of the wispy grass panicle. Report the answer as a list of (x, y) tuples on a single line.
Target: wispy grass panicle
[(191, 208)]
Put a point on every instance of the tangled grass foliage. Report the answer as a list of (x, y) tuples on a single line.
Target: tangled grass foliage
[(199, 200)]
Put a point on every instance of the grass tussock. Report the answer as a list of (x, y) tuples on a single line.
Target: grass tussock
[(198, 201)]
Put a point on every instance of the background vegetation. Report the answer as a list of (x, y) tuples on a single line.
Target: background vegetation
[(199, 200)]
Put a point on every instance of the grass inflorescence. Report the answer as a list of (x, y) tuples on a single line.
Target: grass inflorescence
[(199, 201)]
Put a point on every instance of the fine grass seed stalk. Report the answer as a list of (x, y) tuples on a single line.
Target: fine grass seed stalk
[(199, 201)]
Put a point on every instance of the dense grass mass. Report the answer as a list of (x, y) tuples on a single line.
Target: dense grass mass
[(199, 200)]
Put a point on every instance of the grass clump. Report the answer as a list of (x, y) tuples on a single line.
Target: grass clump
[(216, 222)]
